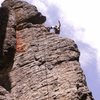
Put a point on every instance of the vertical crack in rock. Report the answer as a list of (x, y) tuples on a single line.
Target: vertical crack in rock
[(34, 63), (3, 26), (7, 50)]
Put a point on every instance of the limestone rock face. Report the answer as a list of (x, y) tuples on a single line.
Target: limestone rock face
[(44, 65), (25, 12)]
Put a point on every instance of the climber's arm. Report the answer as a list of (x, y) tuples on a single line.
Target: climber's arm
[(59, 24)]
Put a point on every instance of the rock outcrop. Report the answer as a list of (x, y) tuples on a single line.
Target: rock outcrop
[(34, 63)]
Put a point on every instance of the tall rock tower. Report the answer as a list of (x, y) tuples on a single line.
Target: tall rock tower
[(34, 63)]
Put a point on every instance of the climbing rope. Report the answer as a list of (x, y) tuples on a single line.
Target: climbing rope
[(45, 51), (46, 70), (44, 57)]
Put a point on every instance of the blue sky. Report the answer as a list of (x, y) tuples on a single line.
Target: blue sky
[(80, 21)]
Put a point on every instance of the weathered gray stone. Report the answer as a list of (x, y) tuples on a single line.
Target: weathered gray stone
[(25, 12)]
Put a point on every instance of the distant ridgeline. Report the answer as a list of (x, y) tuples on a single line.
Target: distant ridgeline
[(36, 64)]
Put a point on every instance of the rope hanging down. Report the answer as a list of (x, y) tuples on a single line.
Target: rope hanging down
[(45, 58), (45, 51)]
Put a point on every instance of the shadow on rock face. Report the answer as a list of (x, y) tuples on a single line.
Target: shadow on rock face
[(4, 14), (5, 82), (7, 55), (38, 19)]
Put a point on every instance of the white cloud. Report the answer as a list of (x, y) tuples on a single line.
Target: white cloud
[(1, 2)]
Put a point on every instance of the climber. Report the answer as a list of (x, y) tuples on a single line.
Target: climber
[(57, 28)]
